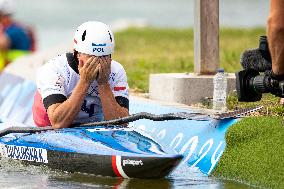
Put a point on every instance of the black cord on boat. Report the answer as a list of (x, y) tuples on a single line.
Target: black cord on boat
[(142, 115), (174, 116), (153, 117), (23, 130)]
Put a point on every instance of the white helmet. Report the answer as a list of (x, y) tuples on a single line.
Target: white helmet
[(94, 38), (7, 7)]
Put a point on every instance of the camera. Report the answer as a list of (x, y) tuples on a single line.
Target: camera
[(256, 77)]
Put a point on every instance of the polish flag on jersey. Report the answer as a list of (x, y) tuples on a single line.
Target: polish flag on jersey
[(119, 88)]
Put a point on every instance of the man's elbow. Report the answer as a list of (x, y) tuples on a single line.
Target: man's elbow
[(59, 125), (57, 120)]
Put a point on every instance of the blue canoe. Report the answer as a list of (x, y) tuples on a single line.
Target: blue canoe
[(107, 151), (99, 150)]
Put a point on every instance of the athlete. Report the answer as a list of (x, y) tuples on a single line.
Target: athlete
[(83, 86), (15, 39)]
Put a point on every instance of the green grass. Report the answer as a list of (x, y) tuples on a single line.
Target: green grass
[(254, 152), (151, 50), (270, 103)]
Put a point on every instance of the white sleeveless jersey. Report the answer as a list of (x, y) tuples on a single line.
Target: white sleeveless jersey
[(57, 77)]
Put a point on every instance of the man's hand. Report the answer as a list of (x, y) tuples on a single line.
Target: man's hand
[(88, 71), (104, 70)]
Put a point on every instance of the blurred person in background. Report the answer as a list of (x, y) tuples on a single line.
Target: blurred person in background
[(16, 39)]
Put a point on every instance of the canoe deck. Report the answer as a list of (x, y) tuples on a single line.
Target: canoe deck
[(100, 150)]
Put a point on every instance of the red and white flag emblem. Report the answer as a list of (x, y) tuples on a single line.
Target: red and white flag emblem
[(119, 88)]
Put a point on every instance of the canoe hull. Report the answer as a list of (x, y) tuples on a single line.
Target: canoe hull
[(115, 152)]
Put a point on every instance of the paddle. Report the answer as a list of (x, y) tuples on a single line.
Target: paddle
[(142, 115)]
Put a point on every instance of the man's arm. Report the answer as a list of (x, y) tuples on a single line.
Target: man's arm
[(275, 32), (111, 108), (62, 115)]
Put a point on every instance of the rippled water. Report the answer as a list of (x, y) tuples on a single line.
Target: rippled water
[(13, 174)]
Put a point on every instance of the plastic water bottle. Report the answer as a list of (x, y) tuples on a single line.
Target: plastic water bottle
[(220, 91)]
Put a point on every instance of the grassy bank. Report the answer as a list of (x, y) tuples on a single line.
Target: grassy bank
[(255, 145), (254, 152)]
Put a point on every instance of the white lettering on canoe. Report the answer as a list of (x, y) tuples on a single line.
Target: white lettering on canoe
[(132, 162), (24, 153)]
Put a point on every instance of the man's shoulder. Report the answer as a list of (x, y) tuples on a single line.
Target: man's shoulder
[(56, 63), (16, 31), (58, 60), (116, 66), (14, 27)]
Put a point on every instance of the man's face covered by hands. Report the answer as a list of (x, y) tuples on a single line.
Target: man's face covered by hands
[(94, 68)]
